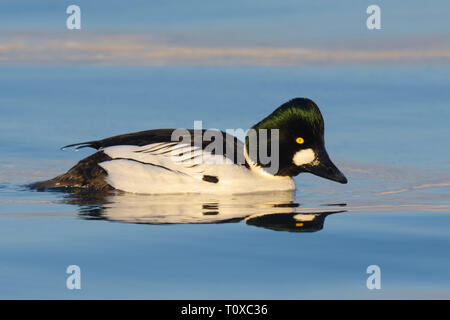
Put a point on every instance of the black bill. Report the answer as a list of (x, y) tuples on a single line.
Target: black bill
[(325, 168)]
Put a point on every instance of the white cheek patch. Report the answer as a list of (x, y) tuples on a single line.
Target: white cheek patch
[(303, 157)]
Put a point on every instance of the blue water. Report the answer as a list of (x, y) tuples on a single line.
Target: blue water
[(386, 129)]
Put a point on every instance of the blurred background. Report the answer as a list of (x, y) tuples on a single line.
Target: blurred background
[(246, 32), (139, 65)]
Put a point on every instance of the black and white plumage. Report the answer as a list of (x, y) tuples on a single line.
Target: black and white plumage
[(153, 162)]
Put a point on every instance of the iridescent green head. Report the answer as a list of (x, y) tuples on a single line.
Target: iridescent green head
[(301, 145)]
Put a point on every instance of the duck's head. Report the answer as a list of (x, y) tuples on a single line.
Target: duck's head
[(301, 141)]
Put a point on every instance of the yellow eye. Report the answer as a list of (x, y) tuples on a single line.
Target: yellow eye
[(300, 140)]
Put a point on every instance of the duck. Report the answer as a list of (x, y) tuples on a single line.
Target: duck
[(286, 143)]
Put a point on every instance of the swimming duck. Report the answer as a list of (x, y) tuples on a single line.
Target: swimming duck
[(176, 161)]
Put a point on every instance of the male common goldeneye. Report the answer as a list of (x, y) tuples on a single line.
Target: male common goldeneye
[(154, 162)]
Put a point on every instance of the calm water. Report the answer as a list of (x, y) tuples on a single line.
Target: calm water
[(386, 129)]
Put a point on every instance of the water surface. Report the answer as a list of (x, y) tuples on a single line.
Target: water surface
[(386, 129)]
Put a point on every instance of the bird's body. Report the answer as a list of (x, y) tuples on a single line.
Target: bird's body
[(165, 161)]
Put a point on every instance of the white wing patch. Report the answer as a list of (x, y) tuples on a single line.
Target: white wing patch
[(158, 167), (177, 157)]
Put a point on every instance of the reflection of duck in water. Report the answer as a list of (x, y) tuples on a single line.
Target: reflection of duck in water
[(294, 222), (169, 161), (275, 211)]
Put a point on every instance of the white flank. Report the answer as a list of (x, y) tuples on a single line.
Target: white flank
[(167, 168)]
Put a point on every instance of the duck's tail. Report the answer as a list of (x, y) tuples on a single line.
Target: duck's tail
[(85, 175)]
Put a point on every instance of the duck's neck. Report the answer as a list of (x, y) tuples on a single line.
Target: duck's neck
[(258, 169)]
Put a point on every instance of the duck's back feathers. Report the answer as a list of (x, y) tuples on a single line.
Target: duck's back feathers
[(148, 137), (153, 153), (140, 138)]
